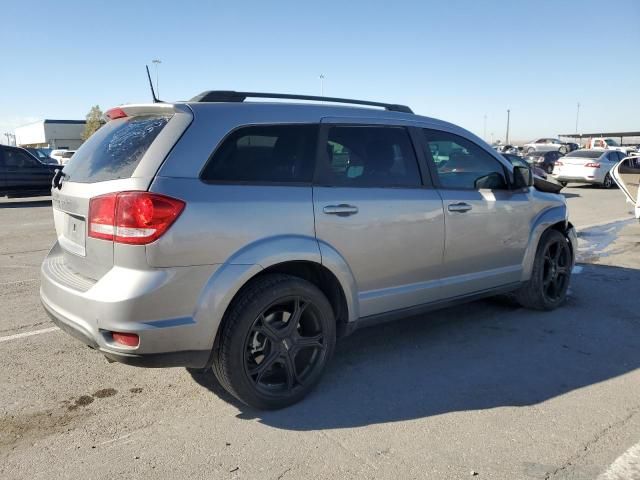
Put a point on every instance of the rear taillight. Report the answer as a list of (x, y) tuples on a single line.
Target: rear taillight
[(592, 165), (558, 163), (135, 218)]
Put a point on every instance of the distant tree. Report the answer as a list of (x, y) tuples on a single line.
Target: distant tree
[(94, 122)]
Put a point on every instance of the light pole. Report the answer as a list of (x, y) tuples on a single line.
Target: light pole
[(157, 62), (484, 135), (577, 116), (508, 117), (322, 84)]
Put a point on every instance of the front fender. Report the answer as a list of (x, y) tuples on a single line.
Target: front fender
[(544, 220)]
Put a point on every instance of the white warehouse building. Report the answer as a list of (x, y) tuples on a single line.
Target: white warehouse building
[(51, 134)]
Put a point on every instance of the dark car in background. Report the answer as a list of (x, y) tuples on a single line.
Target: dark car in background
[(22, 174), (42, 155), (544, 160), (572, 147)]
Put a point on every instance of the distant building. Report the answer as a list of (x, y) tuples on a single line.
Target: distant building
[(51, 134)]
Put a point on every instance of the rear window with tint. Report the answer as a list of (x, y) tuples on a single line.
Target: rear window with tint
[(586, 153), (115, 150), (265, 154)]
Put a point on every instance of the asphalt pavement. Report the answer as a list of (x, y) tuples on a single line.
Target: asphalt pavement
[(484, 390)]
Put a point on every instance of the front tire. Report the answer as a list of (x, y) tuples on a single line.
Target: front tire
[(547, 287), (276, 340), (563, 150)]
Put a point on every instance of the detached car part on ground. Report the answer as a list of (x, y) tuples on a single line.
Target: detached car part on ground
[(246, 237), (542, 181), (626, 174)]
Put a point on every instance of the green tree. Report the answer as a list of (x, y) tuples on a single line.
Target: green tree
[(94, 122)]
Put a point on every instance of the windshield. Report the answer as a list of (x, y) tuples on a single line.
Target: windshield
[(115, 150), (611, 142)]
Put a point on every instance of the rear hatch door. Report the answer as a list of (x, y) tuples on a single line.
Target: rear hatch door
[(123, 155)]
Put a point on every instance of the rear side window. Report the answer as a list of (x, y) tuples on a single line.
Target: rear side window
[(115, 150), (265, 154), (369, 156), (14, 158)]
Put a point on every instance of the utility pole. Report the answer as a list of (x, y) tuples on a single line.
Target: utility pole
[(577, 116), (322, 84), (484, 135), (508, 117), (157, 62)]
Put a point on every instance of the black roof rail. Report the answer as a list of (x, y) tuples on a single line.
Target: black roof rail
[(232, 96)]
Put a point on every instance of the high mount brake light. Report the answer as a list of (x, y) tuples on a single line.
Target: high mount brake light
[(114, 113), (135, 218)]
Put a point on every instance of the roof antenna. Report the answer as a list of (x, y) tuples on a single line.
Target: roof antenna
[(153, 93)]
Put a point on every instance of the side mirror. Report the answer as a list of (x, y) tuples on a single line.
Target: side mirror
[(522, 177)]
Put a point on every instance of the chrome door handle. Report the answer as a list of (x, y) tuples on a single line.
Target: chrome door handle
[(459, 207), (341, 210)]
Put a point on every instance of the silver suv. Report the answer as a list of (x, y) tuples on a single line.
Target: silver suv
[(248, 236)]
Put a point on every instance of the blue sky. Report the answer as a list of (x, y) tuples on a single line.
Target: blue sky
[(454, 60)]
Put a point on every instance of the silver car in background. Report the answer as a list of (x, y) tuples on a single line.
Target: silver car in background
[(587, 166), (246, 237)]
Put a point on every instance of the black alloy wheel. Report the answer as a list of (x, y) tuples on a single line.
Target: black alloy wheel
[(556, 270), (277, 338), (285, 346), (547, 287)]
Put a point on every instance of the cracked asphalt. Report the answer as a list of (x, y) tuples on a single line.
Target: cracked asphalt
[(483, 388)]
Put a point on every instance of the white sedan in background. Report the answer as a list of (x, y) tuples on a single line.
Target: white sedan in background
[(587, 166), (62, 156), (546, 145)]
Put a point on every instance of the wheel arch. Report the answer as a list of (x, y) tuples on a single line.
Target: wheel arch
[(293, 255), (554, 218)]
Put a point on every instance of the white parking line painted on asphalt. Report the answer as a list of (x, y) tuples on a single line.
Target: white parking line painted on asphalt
[(28, 334), (19, 281), (626, 466)]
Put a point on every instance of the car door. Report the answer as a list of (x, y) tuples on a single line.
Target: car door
[(627, 175), (24, 173), (487, 225), (373, 211)]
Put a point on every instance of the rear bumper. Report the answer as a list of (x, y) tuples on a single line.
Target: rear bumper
[(156, 304), (576, 179), (188, 358)]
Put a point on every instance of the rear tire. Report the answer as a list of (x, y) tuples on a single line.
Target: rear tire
[(260, 356), (547, 287), (607, 182)]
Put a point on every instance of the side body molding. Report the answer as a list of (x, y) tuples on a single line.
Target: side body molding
[(544, 220)]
